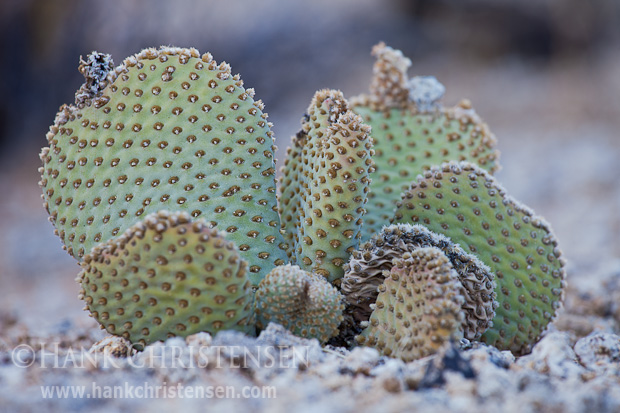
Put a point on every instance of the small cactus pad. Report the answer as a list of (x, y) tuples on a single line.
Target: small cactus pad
[(466, 203), (368, 266), (167, 129), (418, 308), (412, 132), (305, 303), (167, 276), (325, 184)]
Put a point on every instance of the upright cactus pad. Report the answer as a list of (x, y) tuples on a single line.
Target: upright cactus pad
[(325, 185), (167, 129), (412, 132), (418, 307), (167, 276), (465, 203), (305, 303), (370, 264)]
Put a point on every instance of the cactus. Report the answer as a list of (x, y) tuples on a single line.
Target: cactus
[(172, 130), (167, 275), (418, 307), (412, 132), (325, 185), (466, 203), (305, 303), (167, 129), (369, 265)]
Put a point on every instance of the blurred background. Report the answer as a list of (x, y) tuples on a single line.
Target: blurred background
[(544, 74)]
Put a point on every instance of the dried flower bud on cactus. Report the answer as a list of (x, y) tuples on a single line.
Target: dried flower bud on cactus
[(418, 308), (304, 303), (411, 132), (325, 185), (388, 87), (167, 129), (466, 203), (369, 265), (167, 276)]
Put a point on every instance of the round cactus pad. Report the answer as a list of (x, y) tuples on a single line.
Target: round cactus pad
[(465, 203), (167, 129), (167, 276), (412, 131)]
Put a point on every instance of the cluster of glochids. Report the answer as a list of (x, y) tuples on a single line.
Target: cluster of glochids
[(160, 180)]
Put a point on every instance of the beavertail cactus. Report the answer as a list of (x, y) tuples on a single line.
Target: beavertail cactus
[(371, 263), (467, 204), (167, 275), (325, 185), (411, 132), (305, 303), (418, 308), (167, 129), (172, 130)]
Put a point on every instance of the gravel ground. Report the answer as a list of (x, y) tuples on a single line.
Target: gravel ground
[(574, 368)]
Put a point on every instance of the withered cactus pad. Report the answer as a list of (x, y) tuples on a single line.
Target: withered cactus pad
[(419, 307), (369, 265)]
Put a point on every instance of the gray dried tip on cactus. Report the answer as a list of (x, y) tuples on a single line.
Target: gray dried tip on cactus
[(369, 265), (418, 307), (412, 132), (325, 186), (465, 203), (167, 275), (304, 303), (167, 129), (95, 70), (425, 92)]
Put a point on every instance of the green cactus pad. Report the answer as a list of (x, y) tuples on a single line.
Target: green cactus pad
[(466, 203), (325, 185), (167, 129), (368, 266), (418, 308), (410, 135), (305, 303), (165, 276)]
